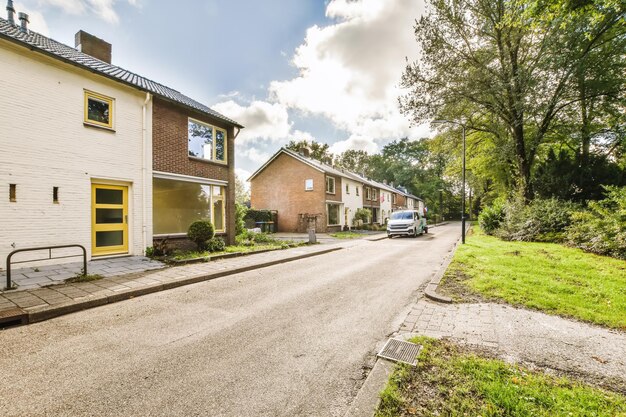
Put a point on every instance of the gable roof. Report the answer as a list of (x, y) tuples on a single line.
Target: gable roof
[(39, 43)]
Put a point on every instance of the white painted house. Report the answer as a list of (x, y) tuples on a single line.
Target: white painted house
[(76, 157)]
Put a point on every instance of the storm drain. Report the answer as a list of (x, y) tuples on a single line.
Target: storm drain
[(400, 351)]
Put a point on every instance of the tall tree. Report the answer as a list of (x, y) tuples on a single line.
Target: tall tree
[(316, 150), (500, 66), (354, 160)]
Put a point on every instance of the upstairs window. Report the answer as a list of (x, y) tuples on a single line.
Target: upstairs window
[(330, 185), (357, 191), (347, 189), (206, 141), (368, 193), (98, 110), (308, 185)]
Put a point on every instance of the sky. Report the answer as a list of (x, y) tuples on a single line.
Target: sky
[(285, 69)]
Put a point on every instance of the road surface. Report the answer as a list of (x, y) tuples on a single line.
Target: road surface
[(289, 340)]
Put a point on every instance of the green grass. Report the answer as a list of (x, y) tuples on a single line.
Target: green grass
[(449, 381), (347, 235), (543, 276), (274, 245)]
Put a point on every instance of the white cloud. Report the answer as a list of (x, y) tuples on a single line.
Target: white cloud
[(263, 120), (349, 71), (104, 9), (360, 143), (254, 155)]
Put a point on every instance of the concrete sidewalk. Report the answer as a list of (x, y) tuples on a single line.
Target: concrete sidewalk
[(33, 305)]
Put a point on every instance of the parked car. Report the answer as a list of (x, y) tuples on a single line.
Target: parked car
[(406, 223)]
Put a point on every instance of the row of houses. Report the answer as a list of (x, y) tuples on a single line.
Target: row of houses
[(308, 193), (96, 155)]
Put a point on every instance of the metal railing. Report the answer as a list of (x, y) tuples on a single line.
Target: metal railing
[(49, 249)]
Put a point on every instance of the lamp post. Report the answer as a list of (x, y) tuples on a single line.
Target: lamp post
[(463, 184)]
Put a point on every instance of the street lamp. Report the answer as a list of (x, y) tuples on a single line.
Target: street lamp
[(463, 184)]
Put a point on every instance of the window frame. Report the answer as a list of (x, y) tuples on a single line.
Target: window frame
[(328, 214), (328, 177), (212, 199), (100, 97), (214, 130), (347, 188), (306, 184)]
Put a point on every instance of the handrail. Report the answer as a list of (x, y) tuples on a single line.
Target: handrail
[(49, 248)]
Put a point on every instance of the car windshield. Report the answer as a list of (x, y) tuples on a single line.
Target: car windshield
[(402, 215)]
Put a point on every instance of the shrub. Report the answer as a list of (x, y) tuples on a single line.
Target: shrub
[(363, 215), (240, 215), (543, 220), (490, 217), (601, 228), (200, 232), (262, 238), (215, 244)]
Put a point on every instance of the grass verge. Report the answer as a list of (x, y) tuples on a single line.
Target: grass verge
[(453, 381), (181, 256), (542, 276), (347, 235)]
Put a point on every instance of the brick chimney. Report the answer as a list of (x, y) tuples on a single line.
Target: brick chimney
[(93, 46)]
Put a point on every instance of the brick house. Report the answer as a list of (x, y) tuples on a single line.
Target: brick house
[(305, 192), (308, 193), (84, 141)]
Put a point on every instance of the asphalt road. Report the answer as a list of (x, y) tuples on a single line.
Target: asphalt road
[(288, 340)]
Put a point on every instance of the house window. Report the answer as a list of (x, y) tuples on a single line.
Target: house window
[(333, 214), (98, 110), (393, 198), (12, 193), (330, 185), (374, 196), (357, 191), (368, 193), (308, 185), (347, 189), (206, 141), (177, 204), (55, 195)]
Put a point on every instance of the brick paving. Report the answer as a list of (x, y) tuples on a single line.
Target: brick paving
[(43, 303), (41, 276), (522, 335)]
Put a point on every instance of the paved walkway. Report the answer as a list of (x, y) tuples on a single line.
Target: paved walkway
[(41, 276), (525, 336), (43, 303)]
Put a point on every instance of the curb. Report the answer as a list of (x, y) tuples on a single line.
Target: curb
[(366, 401), (431, 289), (38, 314)]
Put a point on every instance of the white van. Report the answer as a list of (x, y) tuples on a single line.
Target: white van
[(406, 223)]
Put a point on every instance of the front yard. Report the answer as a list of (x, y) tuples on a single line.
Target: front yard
[(454, 381), (542, 276)]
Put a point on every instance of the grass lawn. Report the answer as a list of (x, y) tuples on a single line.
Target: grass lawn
[(347, 235), (451, 381), (232, 249), (543, 276)]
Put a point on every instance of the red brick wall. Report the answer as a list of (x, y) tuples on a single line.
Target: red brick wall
[(338, 189), (280, 186), (170, 152)]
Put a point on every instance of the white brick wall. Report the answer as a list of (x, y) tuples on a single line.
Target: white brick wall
[(351, 201), (44, 144)]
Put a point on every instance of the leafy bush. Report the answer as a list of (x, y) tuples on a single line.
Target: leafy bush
[(240, 215), (200, 232), (601, 228), (362, 214), (262, 238), (543, 220), (215, 244), (490, 217)]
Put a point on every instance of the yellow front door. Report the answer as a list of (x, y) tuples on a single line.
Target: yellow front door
[(109, 219)]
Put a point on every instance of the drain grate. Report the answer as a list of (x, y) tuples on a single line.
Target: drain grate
[(400, 351)]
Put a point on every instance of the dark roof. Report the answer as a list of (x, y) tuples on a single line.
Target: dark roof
[(50, 47)]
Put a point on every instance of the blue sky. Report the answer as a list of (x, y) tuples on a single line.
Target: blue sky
[(285, 69)]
